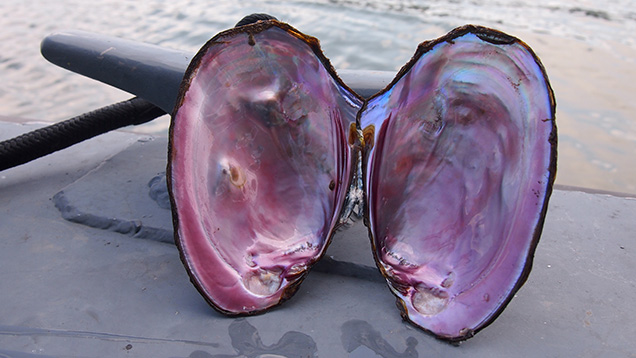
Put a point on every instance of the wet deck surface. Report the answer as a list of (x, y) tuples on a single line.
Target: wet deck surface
[(87, 269)]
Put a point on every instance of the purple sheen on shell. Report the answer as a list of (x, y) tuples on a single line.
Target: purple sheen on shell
[(459, 177), (259, 164), (456, 159)]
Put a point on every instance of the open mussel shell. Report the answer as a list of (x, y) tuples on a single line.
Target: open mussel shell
[(453, 163), (259, 164), (459, 176)]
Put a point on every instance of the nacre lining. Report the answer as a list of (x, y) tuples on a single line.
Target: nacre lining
[(459, 179), (453, 162), (259, 166)]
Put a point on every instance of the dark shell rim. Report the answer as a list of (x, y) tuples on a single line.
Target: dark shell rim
[(499, 38), (250, 29)]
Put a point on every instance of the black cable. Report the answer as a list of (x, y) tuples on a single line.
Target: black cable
[(44, 141)]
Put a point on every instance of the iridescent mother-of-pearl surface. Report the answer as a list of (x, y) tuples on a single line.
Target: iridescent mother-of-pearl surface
[(259, 165), (454, 160), (459, 178)]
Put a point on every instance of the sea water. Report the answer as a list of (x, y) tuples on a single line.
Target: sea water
[(587, 47)]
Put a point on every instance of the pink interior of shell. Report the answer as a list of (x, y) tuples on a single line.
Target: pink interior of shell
[(260, 167), (458, 180)]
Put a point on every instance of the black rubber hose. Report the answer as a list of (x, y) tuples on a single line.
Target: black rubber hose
[(44, 141)]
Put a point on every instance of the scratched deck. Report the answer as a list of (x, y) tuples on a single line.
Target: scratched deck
[(88, 269)]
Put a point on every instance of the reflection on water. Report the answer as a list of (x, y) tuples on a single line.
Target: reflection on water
[(588, 48)]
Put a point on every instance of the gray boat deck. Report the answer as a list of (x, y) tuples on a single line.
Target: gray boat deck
[(87, 270)]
